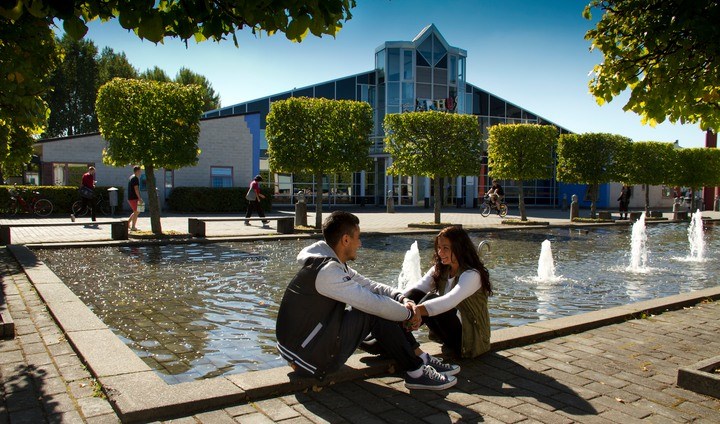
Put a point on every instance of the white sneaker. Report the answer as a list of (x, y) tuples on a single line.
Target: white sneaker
[(442, 367), (72, 217), (430, 380)]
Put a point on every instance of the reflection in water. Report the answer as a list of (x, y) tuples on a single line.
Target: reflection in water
[(194, 311)]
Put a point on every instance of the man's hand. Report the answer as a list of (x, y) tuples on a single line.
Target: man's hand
[(415, 321)]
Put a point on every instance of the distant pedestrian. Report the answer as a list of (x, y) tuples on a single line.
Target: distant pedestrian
[(253, 197), (134, 197), (624, 199), (87, 193)]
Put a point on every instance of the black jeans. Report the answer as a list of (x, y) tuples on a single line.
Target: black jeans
[(446, 326), (90, 204), (392, 338), (255, 204)]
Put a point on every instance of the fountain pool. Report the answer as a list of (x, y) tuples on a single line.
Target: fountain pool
[(197, 311)]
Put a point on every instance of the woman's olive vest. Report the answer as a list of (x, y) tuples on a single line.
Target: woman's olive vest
[(475, 319)]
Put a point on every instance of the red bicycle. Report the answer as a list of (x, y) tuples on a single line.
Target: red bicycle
[(35, 204)]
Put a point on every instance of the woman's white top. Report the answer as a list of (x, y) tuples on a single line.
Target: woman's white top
[(467, 284)]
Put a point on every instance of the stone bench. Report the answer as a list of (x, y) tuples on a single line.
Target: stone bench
[(196, 226), (680, 216), (604, 215), (118, 228), (656, 214)]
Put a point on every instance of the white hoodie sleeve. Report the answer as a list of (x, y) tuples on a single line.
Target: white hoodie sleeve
[(425, 284), (349, 287), (468, 283)]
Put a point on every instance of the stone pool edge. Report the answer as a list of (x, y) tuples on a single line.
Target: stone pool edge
[(137, 393)]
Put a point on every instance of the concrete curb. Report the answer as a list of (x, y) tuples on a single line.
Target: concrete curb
[(138, 394)]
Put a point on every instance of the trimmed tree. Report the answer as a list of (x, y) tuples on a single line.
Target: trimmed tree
[(211, 100), (648, 163), (665, 52), (150, 123), (521, 152), (695, 168), (433, 144), (592, 159), (318, 136)]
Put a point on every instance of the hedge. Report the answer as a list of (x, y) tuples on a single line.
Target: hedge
[(213, 200)]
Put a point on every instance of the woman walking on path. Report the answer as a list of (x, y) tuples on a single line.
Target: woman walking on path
[(134, 197), (253, 197)]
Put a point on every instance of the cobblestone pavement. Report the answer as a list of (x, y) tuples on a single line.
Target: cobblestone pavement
[(621, 373)]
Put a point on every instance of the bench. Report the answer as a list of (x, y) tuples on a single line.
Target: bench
[(196, 226), (604, 215), (118, 228)]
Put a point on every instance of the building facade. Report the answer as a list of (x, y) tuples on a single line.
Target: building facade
[(425, 73), (230, 154)]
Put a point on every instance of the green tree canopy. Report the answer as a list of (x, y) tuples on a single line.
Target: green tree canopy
[(150, 123), (521, 152), (112, 65), (155, 74), (28, 55), (648, 163), (695, 168), (211, 100), (435, 145), (185, 19), (667, 52), (591, 158), (318, 136), (72, 100)]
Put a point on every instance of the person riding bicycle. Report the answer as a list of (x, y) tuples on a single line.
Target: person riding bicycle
[(496, 194)]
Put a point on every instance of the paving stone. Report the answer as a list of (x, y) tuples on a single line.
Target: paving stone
[(276, 409), (94, 406), (317, 413), (633, 410), (699, 411), (503, 414), (215, 417), (540, 414), (27, 416), (620, 418), (604, 379), (244, 409), (103, 419), (69, 417), (57, 403), (256, 418)]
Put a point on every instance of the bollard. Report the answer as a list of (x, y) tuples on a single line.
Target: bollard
[(716, 205), (301, 210), (574, 208), (390, 202)]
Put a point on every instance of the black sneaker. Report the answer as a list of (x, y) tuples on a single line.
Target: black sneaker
[(247, 223), (430, 380), (441, 367)]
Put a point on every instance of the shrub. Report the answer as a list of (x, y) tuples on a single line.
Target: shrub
[(213, 200)]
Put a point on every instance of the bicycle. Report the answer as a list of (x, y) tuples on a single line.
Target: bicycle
[(37, 205), (488, 205), (101, 205)]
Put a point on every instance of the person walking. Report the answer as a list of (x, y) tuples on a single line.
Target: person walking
[(624, 201), (317, 333), (134, 198), (253, 197), (87, 193)]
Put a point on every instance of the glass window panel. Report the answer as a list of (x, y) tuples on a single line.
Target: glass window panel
[(345, 89), (528, 116), (452, 71), (380, 66), (461, 70), (280, 97), (408, 96), (424, 91), (424, 74), (440, 76), (326, 91), (484, 101), (393, 73), (497, 107), (513, 111), (442, 63), (262, 106), (304, 92), (440, 91), (438, 50), (393, 93), (407, 64), (221, 176), (425, 50)]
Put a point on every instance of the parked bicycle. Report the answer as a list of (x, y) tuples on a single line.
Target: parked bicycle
[(101, 205), (33, 204), (488, 206)]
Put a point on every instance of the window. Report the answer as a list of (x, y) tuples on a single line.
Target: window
[(169, 181), (221, 176)]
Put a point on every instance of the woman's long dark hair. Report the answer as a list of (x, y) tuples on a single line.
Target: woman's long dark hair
[(466, 254)]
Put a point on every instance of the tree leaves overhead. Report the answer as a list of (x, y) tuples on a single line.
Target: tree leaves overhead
[(666, 52), (185, 19)]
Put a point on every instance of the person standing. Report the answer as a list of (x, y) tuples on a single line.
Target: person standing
[(253, 197), (87, 192), (134, 197), (317, 333), (624, 201)]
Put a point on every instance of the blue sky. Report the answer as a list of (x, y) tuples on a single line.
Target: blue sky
[(530, 53)]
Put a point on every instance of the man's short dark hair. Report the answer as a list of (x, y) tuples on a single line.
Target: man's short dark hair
[(136, 169), (337, 225)]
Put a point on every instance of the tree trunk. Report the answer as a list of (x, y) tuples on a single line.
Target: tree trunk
[(692, 200), (593, 198), (437, 199), (521, 202), (318, 200), (647, 199), (153, 202)]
